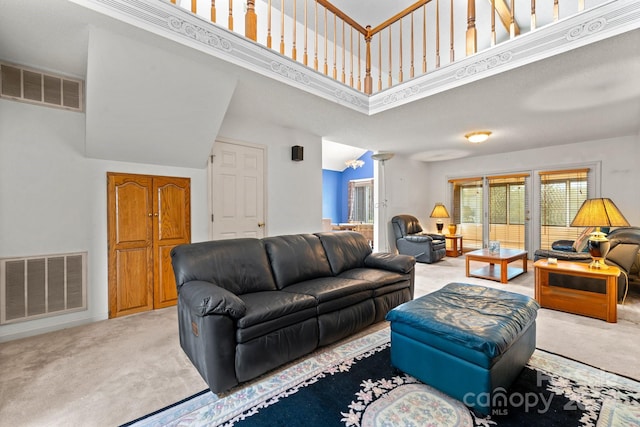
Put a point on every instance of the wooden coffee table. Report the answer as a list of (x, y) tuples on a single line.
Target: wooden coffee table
[(498, 268)]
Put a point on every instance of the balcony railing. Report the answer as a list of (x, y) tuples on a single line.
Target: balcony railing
[(419, 39)]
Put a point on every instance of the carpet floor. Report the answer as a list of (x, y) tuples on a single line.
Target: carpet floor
[(110, 372), (355, 385)]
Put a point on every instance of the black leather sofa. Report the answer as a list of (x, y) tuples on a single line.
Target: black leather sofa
[(623, 253), (246, 306), (412, 240)]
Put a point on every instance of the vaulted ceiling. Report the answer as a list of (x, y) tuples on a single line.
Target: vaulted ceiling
[(136, 79)]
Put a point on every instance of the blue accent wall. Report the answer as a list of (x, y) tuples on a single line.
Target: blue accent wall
[(335, 203)]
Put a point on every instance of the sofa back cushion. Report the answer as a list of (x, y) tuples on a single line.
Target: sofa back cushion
[(404, 225), (296, 258), (345, 250), (237, 265)]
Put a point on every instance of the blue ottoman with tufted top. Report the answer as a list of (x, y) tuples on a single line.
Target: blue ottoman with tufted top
[(465, 340)]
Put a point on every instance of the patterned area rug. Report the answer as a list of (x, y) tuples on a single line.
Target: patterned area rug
[(354, 385)]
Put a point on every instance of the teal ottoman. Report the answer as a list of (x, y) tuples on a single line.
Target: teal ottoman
[(468, 341)]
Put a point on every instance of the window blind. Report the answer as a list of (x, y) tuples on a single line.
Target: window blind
[(508, 207), (562, 192), (467, 210)]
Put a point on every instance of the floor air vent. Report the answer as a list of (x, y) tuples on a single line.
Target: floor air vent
[(23, 84), (34, 287)]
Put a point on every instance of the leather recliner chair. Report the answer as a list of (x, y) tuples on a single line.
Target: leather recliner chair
[(411, 240)]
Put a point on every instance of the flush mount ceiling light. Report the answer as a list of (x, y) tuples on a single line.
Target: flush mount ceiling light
[(478, 137), (354, 164)]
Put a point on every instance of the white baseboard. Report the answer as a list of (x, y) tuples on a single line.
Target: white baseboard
[(37, 330)]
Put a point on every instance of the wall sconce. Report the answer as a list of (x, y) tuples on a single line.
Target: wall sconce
[(297, 153), (354, 164), (478, 137)]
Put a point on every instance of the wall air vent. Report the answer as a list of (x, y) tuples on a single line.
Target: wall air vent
[(42, 286), (36, 87)]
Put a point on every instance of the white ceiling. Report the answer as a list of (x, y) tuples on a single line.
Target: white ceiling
[(590, 93)]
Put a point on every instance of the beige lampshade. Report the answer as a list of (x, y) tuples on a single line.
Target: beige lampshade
[(439, 211), (599, 213)]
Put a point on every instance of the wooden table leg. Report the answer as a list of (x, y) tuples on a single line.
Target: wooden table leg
[(524, 264), (503, 271), (467, 259), (612, 300)]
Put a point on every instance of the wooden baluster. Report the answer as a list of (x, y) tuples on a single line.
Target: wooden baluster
[(294, 52), (437, 33), (213, 11), (344, 77), (533, 15), (379, 61), (282, 27), (315, 44), (359, 64), (194, 6), (326, 44), (306, 31), (424, 39), (451, 53), (335, 46), (390, 60), (269, 24), (512, 22), (580, 5), (556, 10), (400, 77), (351, 57), (368, 80), (472, 36), (251, 21), (173, 1), (493, 22), (411, 70), (231, 15)]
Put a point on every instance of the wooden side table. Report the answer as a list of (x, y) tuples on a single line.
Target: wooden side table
[(453, 244), (601, 306)]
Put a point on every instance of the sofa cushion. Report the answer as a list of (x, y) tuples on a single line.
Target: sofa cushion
[(296, 258), (378, 278), (345, 250), (623, 254), (329, 288), (269, 311), (237, 265)]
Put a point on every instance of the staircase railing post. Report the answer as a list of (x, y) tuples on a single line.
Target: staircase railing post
[(251, 21), (472, 35), (368, 81)]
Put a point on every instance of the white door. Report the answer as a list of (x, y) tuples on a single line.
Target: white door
[(237, 191)]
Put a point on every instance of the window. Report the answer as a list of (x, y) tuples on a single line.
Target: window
[(561, 195), (467, 210), (361, 200), (507, 209)]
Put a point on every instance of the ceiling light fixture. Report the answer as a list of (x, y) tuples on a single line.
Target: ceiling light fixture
[(354, 164), (478, 137)]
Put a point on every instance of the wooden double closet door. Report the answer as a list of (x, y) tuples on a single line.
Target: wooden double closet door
[(146, 217)]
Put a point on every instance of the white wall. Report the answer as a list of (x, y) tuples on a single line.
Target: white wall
[(53, 200), (618, 158), (294, 189), (406, 194)]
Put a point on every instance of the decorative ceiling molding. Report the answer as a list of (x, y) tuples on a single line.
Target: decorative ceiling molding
[(164, 19)]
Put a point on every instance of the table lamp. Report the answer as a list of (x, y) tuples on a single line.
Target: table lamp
[(439, 212), (599, 213)]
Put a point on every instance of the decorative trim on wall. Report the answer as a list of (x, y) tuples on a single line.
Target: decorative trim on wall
[(586, 29)]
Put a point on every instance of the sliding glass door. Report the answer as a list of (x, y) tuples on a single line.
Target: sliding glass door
[(468, 210), (505, 200), (509, 210)]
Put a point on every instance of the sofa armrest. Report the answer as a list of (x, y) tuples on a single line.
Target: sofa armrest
[(417, 238), (205, 298), (392, 262), (435, 236)]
